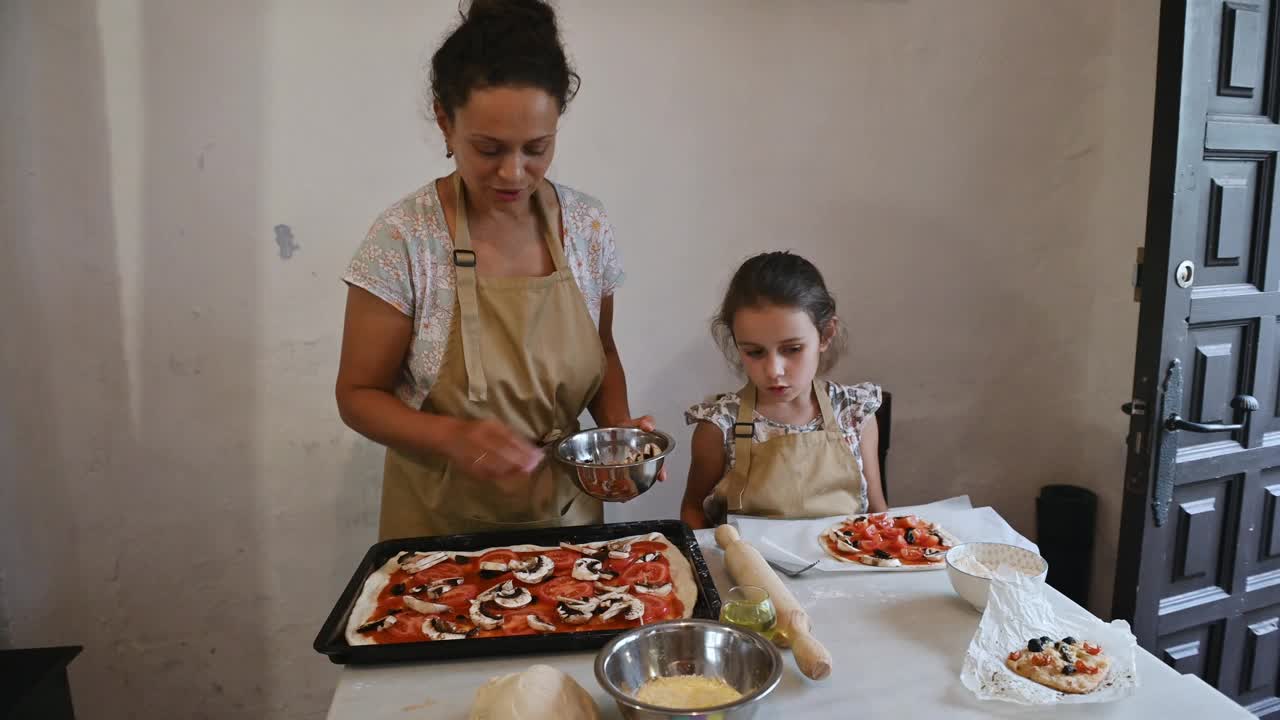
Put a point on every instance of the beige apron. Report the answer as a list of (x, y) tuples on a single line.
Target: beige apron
[(808, 474), (524, 351)]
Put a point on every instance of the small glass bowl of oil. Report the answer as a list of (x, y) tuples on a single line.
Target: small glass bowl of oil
[(748, 606)]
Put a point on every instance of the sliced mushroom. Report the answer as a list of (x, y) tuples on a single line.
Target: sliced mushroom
[(934, 553), (438, 628), (417, 562), (483, 620), (536, 570), (588, 550), (539, 624), (659, 590), (510, 596), (376, 625), (587, 569), (573, 615), (651, 450), (494, 567), (610, 593), (631, 608), (842, 543), (619, 549), (424, 607), (651, 557), (437, 589)]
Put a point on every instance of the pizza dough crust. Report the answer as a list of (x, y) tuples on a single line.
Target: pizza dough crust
[(1051, 675), (682, 581), (539, 693)]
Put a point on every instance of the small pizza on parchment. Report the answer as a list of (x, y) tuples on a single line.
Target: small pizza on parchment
[(881, 540), (523, 590), (1065, 665)]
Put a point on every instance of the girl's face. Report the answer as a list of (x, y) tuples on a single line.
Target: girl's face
[(503, 140), (780, 349)]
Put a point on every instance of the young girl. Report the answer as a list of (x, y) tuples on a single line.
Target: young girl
[(788, 444)]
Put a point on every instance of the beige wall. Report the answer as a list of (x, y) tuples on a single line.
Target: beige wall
[(176, 490)]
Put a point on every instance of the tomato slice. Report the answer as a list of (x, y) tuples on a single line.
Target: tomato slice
[(646, 573), (1092, 649), (892, 532), (459, 598), (896, 545), (927, 540), (564, 559), (408, 628), (881, 521), (656, 608), (499, 556), (912, 554), (870, 532), (906, 521), (514, 622), (1041, 660), (1015, 655), (436, 573), (857, 526), (565, 587), (1086, 669), (868, 545), (644, 547)]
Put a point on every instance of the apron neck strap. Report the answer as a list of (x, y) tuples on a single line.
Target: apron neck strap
[(464, 269), (744, 431), (464, 265), (822, 392)]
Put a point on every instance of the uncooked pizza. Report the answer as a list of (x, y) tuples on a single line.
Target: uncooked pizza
[(888, 541), (1065, 665), (523, 590)]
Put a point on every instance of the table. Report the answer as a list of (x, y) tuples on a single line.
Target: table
[(908, 626)]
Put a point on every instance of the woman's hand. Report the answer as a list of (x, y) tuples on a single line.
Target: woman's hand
[(646, 423), (489, 450)]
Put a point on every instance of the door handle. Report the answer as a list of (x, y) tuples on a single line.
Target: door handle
[(1242, 403)]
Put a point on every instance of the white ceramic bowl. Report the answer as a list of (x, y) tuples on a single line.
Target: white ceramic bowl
[(972, 586)]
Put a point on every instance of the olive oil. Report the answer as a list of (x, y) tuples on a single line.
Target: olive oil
[(752, 611)]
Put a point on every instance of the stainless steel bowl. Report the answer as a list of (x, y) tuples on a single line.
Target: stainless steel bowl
[(594, 460), (743, 659)]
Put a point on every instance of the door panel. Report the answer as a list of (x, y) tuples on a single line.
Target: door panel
[(1199, 563)]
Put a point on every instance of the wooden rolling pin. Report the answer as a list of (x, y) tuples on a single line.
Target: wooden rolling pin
[(748, 567)]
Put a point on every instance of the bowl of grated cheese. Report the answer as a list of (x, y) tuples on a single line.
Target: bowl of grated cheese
[(971, 567), (690, 668)]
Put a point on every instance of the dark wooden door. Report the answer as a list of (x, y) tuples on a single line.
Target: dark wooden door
[(1199, 560)]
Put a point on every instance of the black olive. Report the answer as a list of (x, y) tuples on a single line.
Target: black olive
[(462, 618), (883, 555), (1068, 669), (1068, 640), (1045, 638), (1065, 657), (910, 536), (397, 611), (397, 589), (1034, 645)]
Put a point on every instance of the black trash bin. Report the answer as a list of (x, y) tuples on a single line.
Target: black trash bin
[(1065, 521)]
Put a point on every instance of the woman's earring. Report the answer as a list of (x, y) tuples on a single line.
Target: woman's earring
[(448, 151)]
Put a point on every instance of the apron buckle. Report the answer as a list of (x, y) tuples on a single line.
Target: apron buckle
[(744, 430), (464, 258)]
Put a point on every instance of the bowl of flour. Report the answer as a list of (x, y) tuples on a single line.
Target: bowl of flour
[(971, 566)]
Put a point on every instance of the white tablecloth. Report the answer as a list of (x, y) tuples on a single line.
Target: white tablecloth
[(897, 641)]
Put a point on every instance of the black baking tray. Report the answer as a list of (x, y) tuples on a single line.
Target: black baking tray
[(331, 640)]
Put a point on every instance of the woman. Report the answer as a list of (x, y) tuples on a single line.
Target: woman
[(479, 321)]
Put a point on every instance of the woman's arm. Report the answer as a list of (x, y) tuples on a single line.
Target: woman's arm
[(610, 407), (870, 448), (375, 338), (706, 467)]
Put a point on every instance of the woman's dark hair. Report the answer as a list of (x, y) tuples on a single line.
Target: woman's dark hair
[(502, 43), (780, 279)]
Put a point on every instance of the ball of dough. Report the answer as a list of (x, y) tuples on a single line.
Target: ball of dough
[(539, 693)]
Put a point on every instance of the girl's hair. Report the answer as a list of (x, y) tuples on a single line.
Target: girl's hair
[(502, 43), (781, 279)]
